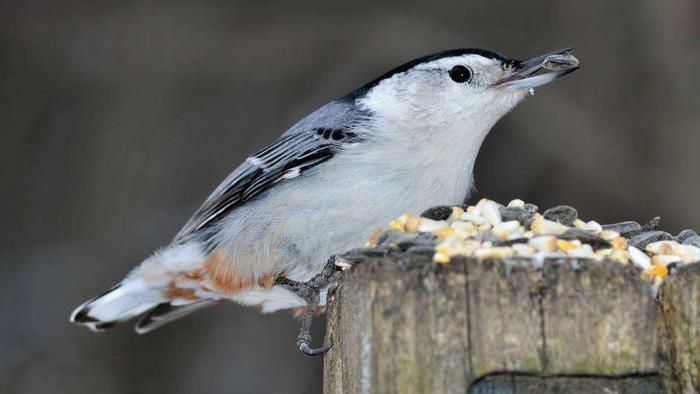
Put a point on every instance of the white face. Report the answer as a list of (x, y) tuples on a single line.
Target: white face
[(444, 93)]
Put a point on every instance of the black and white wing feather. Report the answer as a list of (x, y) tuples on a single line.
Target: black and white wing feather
[(301, 148)]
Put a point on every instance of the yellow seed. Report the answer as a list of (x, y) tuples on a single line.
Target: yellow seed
[(658, 271), (566, 246), (412, 224), (441, 258), (619, 243), (456, 214), (445, 232), (399, 223)]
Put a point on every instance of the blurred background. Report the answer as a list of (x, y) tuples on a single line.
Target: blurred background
[(118, 119)]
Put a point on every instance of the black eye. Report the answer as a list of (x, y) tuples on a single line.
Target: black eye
[(460, 74)]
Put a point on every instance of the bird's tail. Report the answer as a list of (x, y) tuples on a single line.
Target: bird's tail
[(154, 286), (120, 303)]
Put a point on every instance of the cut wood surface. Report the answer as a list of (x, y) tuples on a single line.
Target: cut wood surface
[(404, 324)]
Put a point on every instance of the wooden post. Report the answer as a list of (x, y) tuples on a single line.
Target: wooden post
[(680, 344), (404, 324)]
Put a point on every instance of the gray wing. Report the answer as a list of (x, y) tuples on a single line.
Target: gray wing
[(312, 141)]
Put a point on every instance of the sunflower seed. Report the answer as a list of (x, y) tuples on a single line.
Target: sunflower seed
[(694, 240), (624, 228), (685, 234), (560, 62), (563, 214), (437, 213), (642, 240)]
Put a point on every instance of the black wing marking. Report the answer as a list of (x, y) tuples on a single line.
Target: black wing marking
[(286, 158)]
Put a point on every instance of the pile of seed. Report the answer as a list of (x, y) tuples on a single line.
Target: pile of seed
[(518, 230)]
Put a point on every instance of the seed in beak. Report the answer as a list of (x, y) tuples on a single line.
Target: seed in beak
[(559, 62)]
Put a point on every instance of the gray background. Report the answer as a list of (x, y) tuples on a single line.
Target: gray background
[(118, 118)]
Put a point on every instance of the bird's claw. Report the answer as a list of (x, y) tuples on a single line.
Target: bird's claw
[(310, 292), (304, 347)]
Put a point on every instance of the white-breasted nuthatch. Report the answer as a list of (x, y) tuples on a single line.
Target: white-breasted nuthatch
[(401, 143)]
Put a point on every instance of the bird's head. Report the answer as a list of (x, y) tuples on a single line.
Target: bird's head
[(460, 87)]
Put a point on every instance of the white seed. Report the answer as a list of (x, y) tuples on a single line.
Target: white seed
[(428, 226), (490, 211), (546, 243), (663, 247), (689, 253), (504, 229), (516, 234), (665, 259), (541, 225), (472, 217), (517, 203), (593, 226), (495, 252), (524, 250), (465, 226), (585, 251), (608, 235), (578, 223), (639, 258)]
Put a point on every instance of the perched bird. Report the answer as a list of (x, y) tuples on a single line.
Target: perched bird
[(403, 142)]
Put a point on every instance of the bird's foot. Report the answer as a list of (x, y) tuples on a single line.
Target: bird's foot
[(310, 292)]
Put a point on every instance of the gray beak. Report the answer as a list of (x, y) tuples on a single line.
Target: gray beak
[(559, 62)]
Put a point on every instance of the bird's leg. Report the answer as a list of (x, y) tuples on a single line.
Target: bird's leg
[(310, 292)]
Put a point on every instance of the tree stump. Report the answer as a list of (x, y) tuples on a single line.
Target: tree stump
[(401, 323)]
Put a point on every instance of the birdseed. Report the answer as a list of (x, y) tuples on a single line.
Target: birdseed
[(518, 230), (560, 62)]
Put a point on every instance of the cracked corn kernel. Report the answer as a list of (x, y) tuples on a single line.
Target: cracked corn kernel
[(445, 232), (568, 245), (658, 271)]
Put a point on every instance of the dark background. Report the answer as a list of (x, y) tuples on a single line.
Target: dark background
[(118, 118)]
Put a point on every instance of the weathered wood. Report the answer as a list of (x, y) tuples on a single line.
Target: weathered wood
[(517, 383), (405, 324), (680, 339)]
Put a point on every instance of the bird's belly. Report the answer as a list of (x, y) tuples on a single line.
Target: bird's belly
[(334, 219)]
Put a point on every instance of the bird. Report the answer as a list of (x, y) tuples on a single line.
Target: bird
[(403, 142)]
